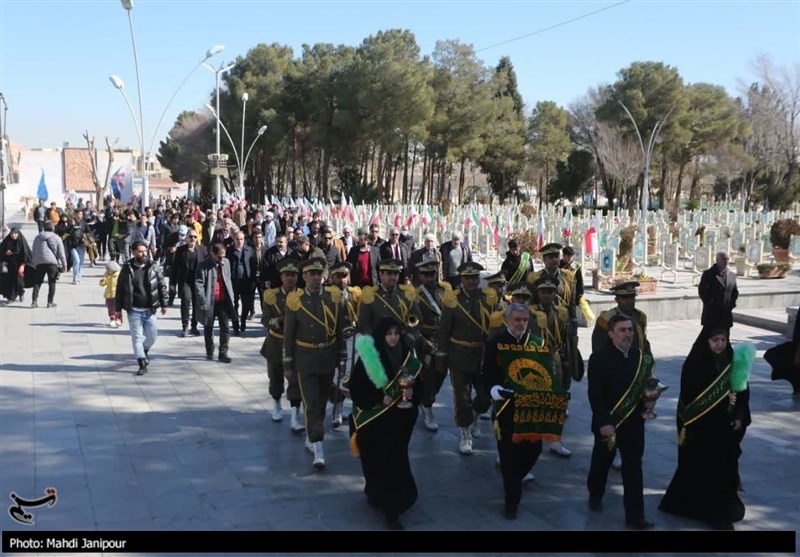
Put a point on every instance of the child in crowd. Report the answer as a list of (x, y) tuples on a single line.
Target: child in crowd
[(109, 280)]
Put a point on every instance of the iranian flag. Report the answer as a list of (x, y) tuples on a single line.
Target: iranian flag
[(398, 218), (351, 209), (471, 219), (483, 218), (496, 232), (590, 241), (426, 215), (376, 216), (509, 229), (412, 214), (343, 207), (332, 208), (540, 233)]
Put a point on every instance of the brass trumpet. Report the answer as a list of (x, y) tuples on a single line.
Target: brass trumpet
[(413, 321)]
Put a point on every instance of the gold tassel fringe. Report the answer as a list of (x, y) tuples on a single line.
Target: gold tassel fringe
[(354, 445)]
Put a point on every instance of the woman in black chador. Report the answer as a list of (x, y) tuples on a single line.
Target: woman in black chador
[(14, 253), (380, 425), (711, 425)]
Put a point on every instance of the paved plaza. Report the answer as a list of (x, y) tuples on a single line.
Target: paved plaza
[(191, 445)]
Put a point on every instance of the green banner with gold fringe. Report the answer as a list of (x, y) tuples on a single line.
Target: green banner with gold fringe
[(540, 402)]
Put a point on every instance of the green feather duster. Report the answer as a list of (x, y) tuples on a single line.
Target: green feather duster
[(743, 356), (365, 346)]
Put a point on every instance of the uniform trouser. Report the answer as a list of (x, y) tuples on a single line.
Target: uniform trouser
[(276, 388), (222, 314), (630, 442), (463, 381), (51, 272), (432, 380), (516, 460), (314, 387), (188, 305), (337, 397), (144, 330), (243, 290)]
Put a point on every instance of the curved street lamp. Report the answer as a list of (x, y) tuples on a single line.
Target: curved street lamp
[(120, 86), (240, 164)]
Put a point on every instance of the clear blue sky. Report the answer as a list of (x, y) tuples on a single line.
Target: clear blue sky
[(56, 55)]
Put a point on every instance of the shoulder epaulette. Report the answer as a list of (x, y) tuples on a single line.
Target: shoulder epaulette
[(356, 292), (496, 319), (293, 300), (446, 285), (570, 275), (562, 312), (533, 276), (368, 294), (604, 318), (410, 292), (271, 296), (450, 298), (336, 294), (491, 296)]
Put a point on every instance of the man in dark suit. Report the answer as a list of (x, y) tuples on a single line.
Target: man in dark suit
[(395, 249), (269, 275), (617, 374), (186, 259), (243, 278), (719, 293), (364, 258)]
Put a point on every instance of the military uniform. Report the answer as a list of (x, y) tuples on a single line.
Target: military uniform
[(313, 345), (430, 305), (400, 304), (464, 330), (600, 334), (351, 296), (274, 308)]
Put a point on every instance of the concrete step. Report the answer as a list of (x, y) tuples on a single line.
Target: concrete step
[(771, 319)]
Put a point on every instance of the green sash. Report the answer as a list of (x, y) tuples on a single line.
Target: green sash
[(363, 416), (540, 402), (715, 393), (633, 396), (524, 264)]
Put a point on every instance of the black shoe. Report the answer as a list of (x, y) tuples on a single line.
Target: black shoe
[(142, 366), (194, 333), (719, 524), (185, 332), (393, 522), (510, 512), (34, 304), (52, 304), (595, 504), (209, 357), (224, 359), (147, 356), (639, 524), (237, 333), (22, 297)]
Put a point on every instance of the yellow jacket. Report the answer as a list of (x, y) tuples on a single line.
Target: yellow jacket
[(109, 280)]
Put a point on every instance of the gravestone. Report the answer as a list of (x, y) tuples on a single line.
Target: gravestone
[(701, 258), (639, 249), (755, 252), (794, 246), (711, 237), (738, 238), (608, 258), (671, 256), (691, 244), (613, 243)]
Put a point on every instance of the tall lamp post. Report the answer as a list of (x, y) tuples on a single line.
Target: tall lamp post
[(4, 148), (240, 163), (647, 153), (120, 86), (218, 72)]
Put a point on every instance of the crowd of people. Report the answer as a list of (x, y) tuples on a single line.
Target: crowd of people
[(352, 314)]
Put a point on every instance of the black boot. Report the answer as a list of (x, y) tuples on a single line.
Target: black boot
[(147, 356), (142, 366)]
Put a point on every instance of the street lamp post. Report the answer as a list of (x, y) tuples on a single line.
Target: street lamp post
[(120, 86), (4, 148), (217, 73), (241, 164), (647, 153)]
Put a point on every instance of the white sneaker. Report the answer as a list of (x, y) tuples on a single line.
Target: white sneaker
[(617, 464), (277, 412), (309, 445), (529, 477), (430, 421), (297, 424), (559, 449), (337, 415), (112, 323), (465, 442), (319, 456)]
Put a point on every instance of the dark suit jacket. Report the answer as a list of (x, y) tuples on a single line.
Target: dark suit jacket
[(249, 257), (180, 272), (711, 290), (610, 374), (374, 257), (269, 272), (387, 252)]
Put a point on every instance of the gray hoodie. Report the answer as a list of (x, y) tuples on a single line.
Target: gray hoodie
[(48, 249)]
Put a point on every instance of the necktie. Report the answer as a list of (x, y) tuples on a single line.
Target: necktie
[(396, 254)]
